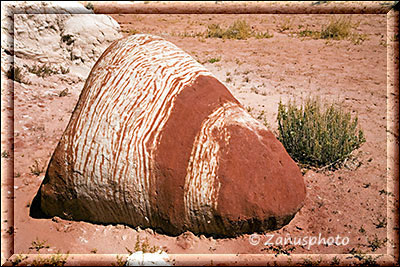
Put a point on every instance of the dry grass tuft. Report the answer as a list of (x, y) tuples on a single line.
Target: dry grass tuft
[(239, 30), (339, 28)]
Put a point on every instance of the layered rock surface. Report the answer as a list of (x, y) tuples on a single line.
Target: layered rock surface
[(157, 141)]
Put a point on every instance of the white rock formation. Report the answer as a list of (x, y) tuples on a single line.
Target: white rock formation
[(55, 33)]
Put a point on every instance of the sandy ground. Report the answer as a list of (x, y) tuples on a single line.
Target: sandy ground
[(353, 202)]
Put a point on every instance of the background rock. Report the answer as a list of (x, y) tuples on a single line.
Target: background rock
[(55, 33)]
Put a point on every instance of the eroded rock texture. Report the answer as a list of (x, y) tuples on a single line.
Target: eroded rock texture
[(157, 141)]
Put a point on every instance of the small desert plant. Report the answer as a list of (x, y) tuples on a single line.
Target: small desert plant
[(144, 246), (382, 222), (55, 260), (38, 245), (120, 261), (335, 261), (317, 137), (213, 60), (376, 243), (43, 70), (36, 169)]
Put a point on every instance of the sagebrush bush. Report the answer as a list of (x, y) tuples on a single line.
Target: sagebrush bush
[(315, 136)]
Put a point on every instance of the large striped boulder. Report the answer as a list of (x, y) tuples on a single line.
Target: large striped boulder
[(157, 141)]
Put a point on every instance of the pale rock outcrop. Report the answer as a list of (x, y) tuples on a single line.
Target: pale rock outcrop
[(85, 37), (55, 33)]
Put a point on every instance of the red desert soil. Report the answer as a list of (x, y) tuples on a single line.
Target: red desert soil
[(350, 202)]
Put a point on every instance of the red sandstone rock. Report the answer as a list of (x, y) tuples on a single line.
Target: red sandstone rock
[(157, 141)]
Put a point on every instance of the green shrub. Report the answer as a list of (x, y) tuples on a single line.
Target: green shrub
[(318, 137)]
